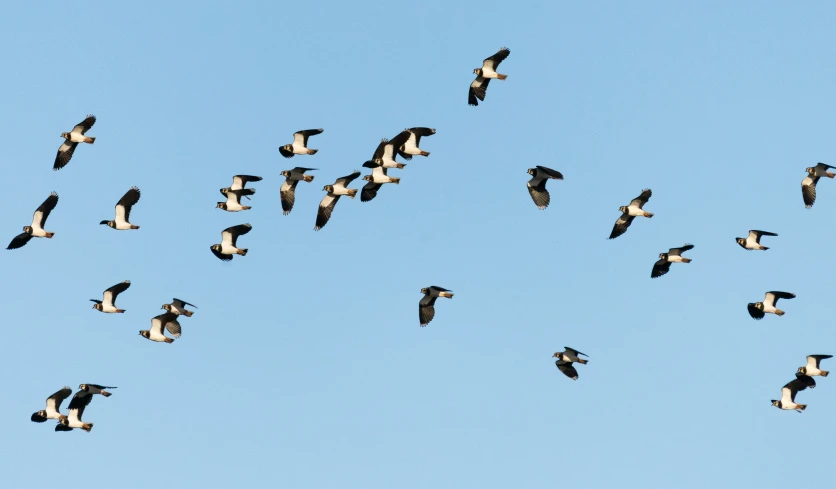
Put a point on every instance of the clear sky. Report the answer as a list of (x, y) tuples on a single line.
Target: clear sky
[(304, 365)]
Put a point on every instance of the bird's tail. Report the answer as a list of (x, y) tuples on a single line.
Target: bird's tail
[(401, 166), (425, 153), (188, 313), (583, 361), (830, 175), (448, 295), (779, 312), (169, 340), (764, 248), (87, 427), (501, 76), (120, 311), (246, 207), (49, 235), (648, 214), (91, 141), (396, 180), (106, 393), (243, 252), (686, 260), (824, 373), (352, 192), (134, 226), (308, 178), (312, 151), (801, 407)]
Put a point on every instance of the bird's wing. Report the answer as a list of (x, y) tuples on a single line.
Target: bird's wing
[(230, 234), (85, 125), (77, 404), (426, 309), (661, 267), (815, 360), (287, 193), (398, 141), (754, 311), (567, 368), (493, 62), (39, 218), (64, 155), (181, 303), (123, 207), (773, 296), (304, 135), (621, 225), (326, 207), (54, 401), (111, 292), (173, 327), (369, 191), (551, 173), (808, 190), (642, 198), (347, 179), (221, 256), (679, 251), (478, 90), (239, 181), (539, 194), (19, 240), (754, 233), (576, 352)]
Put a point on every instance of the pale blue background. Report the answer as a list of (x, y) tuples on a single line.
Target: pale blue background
[(304, 366)]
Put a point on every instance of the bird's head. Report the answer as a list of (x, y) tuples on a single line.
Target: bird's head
[(531, 171), (65, 135), (623, 209), (27, 229), (367, 178), (425, 290), (107, 223), (759, 306), (663, 256), (286, 174), (557, 354), (82, 387), (809, 169), (41, 413), (776, 403), (216, 247), (741, 241), (64, 420), (167, 307), (802, 370), (478, 71), (225, 190), (97, 306), (328, 188), (144, 333), (221, 205)]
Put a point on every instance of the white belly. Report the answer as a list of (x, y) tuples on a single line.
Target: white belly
[(234, 207), (675, 259), (122, 225), (108, 308), (154, 336), (228, 249), (634, 211), (340, 190), (299, 149), (38, 232), (74, 423), (77, 138), (768, 308)]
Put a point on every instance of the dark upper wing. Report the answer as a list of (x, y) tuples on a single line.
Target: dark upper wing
[(57, 398), (426, 309), (45, 209), (369, 191), (551, 173), (440, 289), (621, 225), (808, 190), (348, 178), (220, 255), (308, 133), (754, 311), (65, 154), (823, 166), (173, 327), (661, 267), (804, 381), (301, 169), (118, 289), (85, 125), (499, 57), (781, 295), (181, 303), (679, 251), (378, 152), (287, 195), (19, 240), (420, 132), (567, 368), (576, 352), (130, 198), (399, 141), (540, 195), (326, 207), (241, 180), (758, 234), (79, 401), (478, 90), (642, 198), (236, 231)]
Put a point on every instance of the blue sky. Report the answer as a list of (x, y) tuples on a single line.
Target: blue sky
[(304, 366)]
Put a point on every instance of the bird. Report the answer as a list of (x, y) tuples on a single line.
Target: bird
[(753, 241), (629, 212), (413, 140), (36, 230), (229, 239), (537, 185), (335, 191), (53, 404), (566, 358), (167, 320), (484, 75), (179, 307), (788, 393), (426, 306), (299, 144), (376, 180), (808, 185), (123, 211), (759, 309), (805, 381), (239, 182), (233, 200), (674, 255), (96, 389), (74, 411), (387, 152), (71, 140), (287, 192), (812, 368), (108, 302)]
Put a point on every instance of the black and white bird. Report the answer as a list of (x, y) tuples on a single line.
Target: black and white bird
[(299, 146), (376, 180), (808, 185), (123, 211), (759, 309), (36, 230), (753, 241), (165, 321), (74, 412), (629, 212), (426, 306), (674, 255), (229, 239), (233, 200), (565, 359), (96, 389), (108, 302), (386, 153), (805, 380), (537, 185), (813, 366), (484, 76), (288, 190), (178, 307), (788, 392), (335, 191), (71, 140), (410, 148), (53, 405), (239, 182)]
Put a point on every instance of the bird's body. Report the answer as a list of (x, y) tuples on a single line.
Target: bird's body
[(240, 182), (377, 178), (53, 405), (74, 412), (758, 309), (165, 321), (426, 306), (107, 304), (299, 146), (630, 212), (410, 147), (537, 185), (674, 255), (335, 191), (565, 360), (123, 211), (387, 152), (178, 307), (753, 240), (479, 86), (788, 392), (36, 230), (229, 239), (233, 199), (71, 140), (813, 366), (288, 189)]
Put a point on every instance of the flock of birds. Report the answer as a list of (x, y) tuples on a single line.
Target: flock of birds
[(405, 144)]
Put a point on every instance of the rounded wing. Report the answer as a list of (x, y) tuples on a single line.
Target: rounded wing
[(19, 240), (661, 267), (808, 190), (642, 198), (755, 312), (123, 207), (621, 225), (493, 62), (567, 368), (478, 90), (39, 218), (326, 207)]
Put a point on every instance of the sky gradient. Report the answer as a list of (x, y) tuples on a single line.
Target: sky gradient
[(304, 365)]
